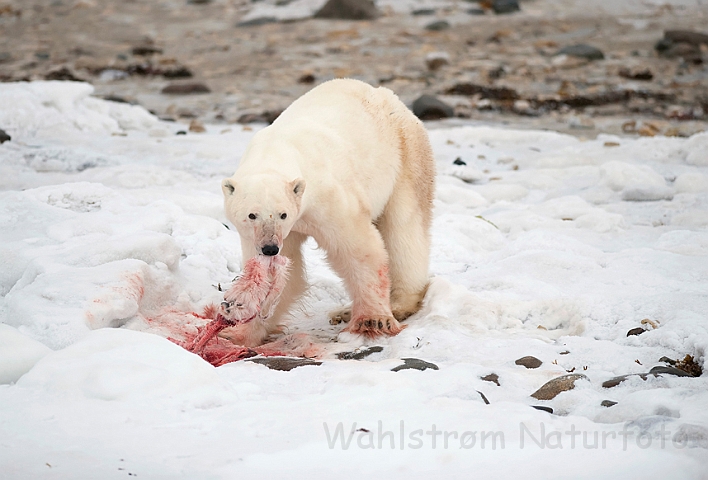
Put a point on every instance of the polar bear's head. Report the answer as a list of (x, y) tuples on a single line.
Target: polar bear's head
[(263, 208)]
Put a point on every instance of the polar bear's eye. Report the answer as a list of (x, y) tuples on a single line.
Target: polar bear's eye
[(283, 216), (252, 216)]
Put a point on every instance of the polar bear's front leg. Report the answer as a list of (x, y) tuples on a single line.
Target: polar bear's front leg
[(358, 256)]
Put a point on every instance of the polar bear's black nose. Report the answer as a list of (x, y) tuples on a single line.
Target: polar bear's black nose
[(270, 250)]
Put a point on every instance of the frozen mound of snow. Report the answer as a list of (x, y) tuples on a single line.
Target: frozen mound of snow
[(54, 109), (18, 353)]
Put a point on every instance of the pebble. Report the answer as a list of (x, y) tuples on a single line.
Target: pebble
[(4, 137), (438, 26), (550, 389), (195, 126), (415, 364), (607, 403), (582, 50), (429, 107), (284, 364), (505, 6), (423, 11), (435, 60), (63, 74), (459, 161), (359, 355), (255, 22), (542, 408), (483, 397), (529, 362), (636, 331), (348, 10), (185, 89), (492, 377)]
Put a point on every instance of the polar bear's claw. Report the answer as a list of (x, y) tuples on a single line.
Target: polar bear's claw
[(375, 326)]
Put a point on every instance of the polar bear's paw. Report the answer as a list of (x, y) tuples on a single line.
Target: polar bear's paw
[(373, 326), (340, 315)]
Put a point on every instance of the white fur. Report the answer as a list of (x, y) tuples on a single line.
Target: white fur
[(351, 166)]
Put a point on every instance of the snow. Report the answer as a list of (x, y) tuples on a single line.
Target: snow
[(112, 235)]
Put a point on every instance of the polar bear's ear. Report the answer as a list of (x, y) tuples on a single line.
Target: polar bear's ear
[(227, 187), (298, 186)]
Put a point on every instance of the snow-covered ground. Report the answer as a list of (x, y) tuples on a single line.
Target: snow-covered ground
[(111, 227)]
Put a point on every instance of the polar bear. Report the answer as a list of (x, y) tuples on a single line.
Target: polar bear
[(351, 166)]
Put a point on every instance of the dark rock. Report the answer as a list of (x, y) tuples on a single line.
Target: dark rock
[(643, 75), (542, 408), (608, 403), (42, 55), (505, 6), (459, 161), (686, 36), (4, 137), (348, 10), (117, 99), (667, 360), (424, 11), (476, 11), (613, 382), (183, 132), (493, 93), (492, 377), (670, 371), (268, 116), (284, 364), (438, 26), (198, 2), (255, 22), (146, 50), (179, 72), (429, 107), (529, 362), (63, 74), (185, 89), (307, 79), (582, 51), (553, 387), (361, 354), (414, 363), (636, 331), (483, 397)]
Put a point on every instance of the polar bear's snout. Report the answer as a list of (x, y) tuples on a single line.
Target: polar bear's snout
[(270, 250)]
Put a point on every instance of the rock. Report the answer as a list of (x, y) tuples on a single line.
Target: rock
[(529, 362), (636, 331), (613, 382), (505, 6), (550, 389), (582, 50), (435, 60), (414, 363), (185, 89), (483, 397), (4, 137), (348, 10), (361, 354), (475, 11), (195, 126), (660, 369), (284, 364), (643, 75), (178, 72), (198, 2), (438, 26), (146, 50), (63, 74), (542, 408), (429, 107), (306, 79), (459, 161), (494, 93), (492, 377), (255, 22), (268, 116), (423, 11), (686, 36), (608, 403)]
